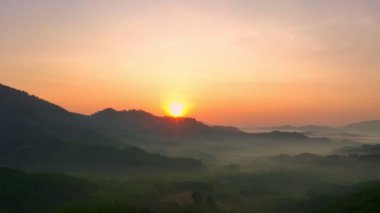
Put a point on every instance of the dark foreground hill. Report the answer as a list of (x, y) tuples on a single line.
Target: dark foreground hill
[(38, 135)]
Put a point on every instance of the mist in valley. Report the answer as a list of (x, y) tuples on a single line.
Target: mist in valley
[(134, 161)]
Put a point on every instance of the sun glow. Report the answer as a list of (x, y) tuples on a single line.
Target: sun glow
[(176, 109)]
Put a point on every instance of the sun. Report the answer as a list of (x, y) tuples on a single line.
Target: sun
[(176, 109)]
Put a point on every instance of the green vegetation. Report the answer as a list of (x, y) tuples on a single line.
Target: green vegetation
[(225, 192), (32, 192), (363, 198)]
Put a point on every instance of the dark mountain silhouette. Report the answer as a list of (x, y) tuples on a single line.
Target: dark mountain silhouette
[(143, 125), (30, 126), (23, 112), (165, 133), (140, 126), (191, 138), (36, 134)]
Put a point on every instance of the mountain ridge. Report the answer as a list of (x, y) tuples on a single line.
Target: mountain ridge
[(125, 128)]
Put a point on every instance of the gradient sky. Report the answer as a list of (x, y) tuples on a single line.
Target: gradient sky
[(233, 61)]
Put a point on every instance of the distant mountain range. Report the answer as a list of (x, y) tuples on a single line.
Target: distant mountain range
[(305, 128), (364, 132), (371, 127), (365, 127), (36, 134)]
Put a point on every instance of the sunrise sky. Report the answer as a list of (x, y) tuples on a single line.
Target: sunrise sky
[(230, 61)]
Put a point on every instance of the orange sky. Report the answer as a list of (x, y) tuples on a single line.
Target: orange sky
[(234, 62)]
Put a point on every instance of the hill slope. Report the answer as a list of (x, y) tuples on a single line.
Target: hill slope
[(20, 111)]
